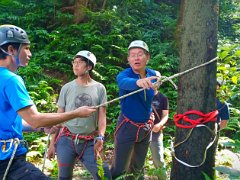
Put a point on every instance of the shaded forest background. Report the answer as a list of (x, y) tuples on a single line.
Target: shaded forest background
[(58, 29)]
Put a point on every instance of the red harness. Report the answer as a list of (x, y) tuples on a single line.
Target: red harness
[(203, 118), (75, 138), (146, 126)]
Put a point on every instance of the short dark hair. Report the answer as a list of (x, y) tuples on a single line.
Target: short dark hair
[(5, 47), (86, 60)]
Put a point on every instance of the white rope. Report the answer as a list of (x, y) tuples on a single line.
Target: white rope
[(16, 142), (159, 82), (205, 152), (45, 151)]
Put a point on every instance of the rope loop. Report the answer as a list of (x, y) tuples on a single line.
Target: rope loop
[(203, 118), (193, 124)]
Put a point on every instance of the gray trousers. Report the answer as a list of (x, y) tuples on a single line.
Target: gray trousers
[(129, 155), (67, 152), (157, 149)]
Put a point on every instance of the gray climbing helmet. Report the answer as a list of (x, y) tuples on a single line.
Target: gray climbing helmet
[(12, 34)]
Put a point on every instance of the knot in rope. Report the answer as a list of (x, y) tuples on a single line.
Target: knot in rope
[(158, 83), (203, 118)]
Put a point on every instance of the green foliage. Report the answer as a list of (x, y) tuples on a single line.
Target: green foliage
[(229, 22), (206, 176), (54, 170), (228, 71), (43, 96), (125, 176), (100, 168), (55, 39), (228, 67), (227, 161), (36, 146), (229, 143), (233, 173)]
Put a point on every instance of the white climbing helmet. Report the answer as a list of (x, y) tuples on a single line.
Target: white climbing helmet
[(90, 56), (138, 44)]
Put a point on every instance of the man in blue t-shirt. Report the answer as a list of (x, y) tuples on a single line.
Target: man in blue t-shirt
[(133, 131), (16, 105)]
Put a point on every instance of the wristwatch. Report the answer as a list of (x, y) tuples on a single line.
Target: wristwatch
[(99, 137)]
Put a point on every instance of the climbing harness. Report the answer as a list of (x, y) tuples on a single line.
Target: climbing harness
[(193, 124), (145, 126), (76, 138), (12, 142)]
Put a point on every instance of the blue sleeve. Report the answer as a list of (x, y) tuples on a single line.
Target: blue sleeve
[(126, 83), (17, 93), (224, 112)]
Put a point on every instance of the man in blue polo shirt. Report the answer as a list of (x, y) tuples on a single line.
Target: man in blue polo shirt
[(16, 104), (134, 123)]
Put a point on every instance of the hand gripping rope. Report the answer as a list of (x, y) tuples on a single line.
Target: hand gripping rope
[(199, 122), (160, 80)]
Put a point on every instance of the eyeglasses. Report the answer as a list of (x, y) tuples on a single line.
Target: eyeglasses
[(77, 62), (139, 55)]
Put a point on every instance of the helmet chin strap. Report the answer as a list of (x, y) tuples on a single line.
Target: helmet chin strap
[(16, 57)]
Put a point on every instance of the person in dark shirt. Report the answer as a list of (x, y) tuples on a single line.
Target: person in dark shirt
[(160, 108)]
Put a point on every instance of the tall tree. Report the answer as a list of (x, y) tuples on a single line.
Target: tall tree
[(78, 8), (197, 29)]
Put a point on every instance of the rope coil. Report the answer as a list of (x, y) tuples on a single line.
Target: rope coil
[(204, 118), (199, 122)]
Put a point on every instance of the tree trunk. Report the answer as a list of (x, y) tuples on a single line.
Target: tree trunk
[(197, 28), (79, 10)]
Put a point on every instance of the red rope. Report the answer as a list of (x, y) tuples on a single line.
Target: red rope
[(203, 118), (138, 125)]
